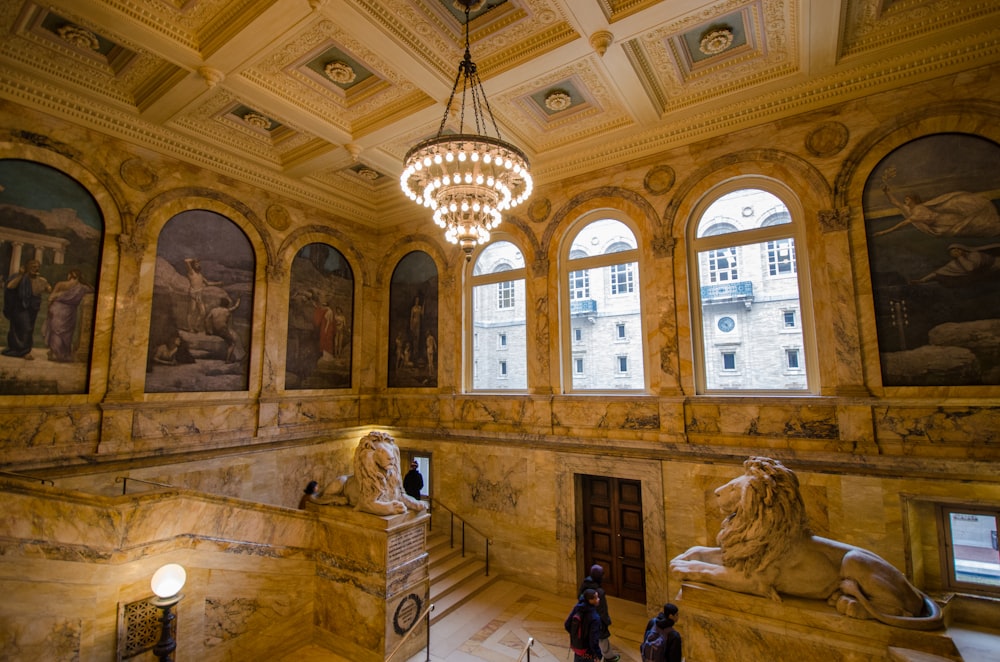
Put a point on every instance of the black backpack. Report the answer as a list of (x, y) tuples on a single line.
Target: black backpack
[(654, 647), (578, 639)]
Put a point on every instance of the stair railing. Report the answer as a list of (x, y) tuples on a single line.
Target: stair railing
[(451, 531), (425, 614), (125, 479), (526, 650), (14, 474)]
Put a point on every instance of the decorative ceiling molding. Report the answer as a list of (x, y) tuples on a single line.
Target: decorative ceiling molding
[(169, 75)]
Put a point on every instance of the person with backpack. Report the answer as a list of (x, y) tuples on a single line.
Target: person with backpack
[(593, 580), (662, 642), (584, 627)]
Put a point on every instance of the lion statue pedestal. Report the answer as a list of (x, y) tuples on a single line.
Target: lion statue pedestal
[(371, 558), (767, 550), (724, 626)]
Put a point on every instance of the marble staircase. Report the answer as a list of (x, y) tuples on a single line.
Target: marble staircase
[(454, 579)]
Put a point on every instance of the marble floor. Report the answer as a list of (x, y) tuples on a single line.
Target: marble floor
[(497, 625)]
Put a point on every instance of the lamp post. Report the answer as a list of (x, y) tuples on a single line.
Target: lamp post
[(167, 583)]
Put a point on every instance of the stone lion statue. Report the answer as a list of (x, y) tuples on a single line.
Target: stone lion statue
[(767, 548), (376, 486)]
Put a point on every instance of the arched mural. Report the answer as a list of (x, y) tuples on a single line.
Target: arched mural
[(933, 228), (320, 320), (51, 231), (413, 317), (199, 332)]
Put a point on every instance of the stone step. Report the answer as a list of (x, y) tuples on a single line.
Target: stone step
[(454, 579)]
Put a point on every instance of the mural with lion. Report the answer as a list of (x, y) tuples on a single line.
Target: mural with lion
[(766, 548)]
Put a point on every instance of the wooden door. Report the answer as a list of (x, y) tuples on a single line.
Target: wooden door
[(612, 530)]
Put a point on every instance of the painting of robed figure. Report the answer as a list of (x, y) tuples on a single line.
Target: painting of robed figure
[(932, 219), (413, 318), (51, 231), (320, 320)]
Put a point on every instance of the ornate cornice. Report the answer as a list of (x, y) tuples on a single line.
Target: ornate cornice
[(128, 127), (742, 113)]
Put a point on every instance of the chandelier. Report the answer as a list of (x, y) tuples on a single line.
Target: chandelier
[(467, 179)]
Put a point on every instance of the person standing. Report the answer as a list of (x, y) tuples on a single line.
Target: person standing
[(413, 482), (196, 292), (21, 303), (584, 627), (60, 321), (662, 643), (593, 581)]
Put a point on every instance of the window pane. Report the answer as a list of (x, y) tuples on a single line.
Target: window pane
[(501, 364), (761, 310), (602, 237), (498, 256), (747, 209), (604, 300), (974, 545)]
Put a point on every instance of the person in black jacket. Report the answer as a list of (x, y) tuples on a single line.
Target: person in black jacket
[(593, 581), (413, 482), (671, 650)]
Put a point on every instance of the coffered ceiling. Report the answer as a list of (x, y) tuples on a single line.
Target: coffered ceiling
[(320, 99)]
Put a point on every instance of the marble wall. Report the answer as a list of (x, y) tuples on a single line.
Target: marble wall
[(872, 457)]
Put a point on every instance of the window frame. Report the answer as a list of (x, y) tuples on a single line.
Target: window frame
[(795, 229), (471, 345), (946, 554), (633, 261)]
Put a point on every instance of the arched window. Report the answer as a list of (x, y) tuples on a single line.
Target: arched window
[(602, 329), (499, 348), (748, 291)]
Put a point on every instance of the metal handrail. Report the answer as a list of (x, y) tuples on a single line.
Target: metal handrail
[(526, 649), (14, 474), (451, 532), (425, 614), (125, 479)]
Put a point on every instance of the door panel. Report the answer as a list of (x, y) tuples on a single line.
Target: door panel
[(612, 530)]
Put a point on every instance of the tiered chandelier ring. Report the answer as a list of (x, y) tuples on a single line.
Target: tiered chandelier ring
[(467, 180)]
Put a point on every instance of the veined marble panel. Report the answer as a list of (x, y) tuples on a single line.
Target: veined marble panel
[(721, 626)]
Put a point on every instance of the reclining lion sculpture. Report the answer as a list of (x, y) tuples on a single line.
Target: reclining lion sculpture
[(376, 486), (766, 548)]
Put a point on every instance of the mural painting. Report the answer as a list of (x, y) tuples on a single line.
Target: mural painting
[(320, 320), (51, 231), (933, 228), (413, 318), (199, 331)]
